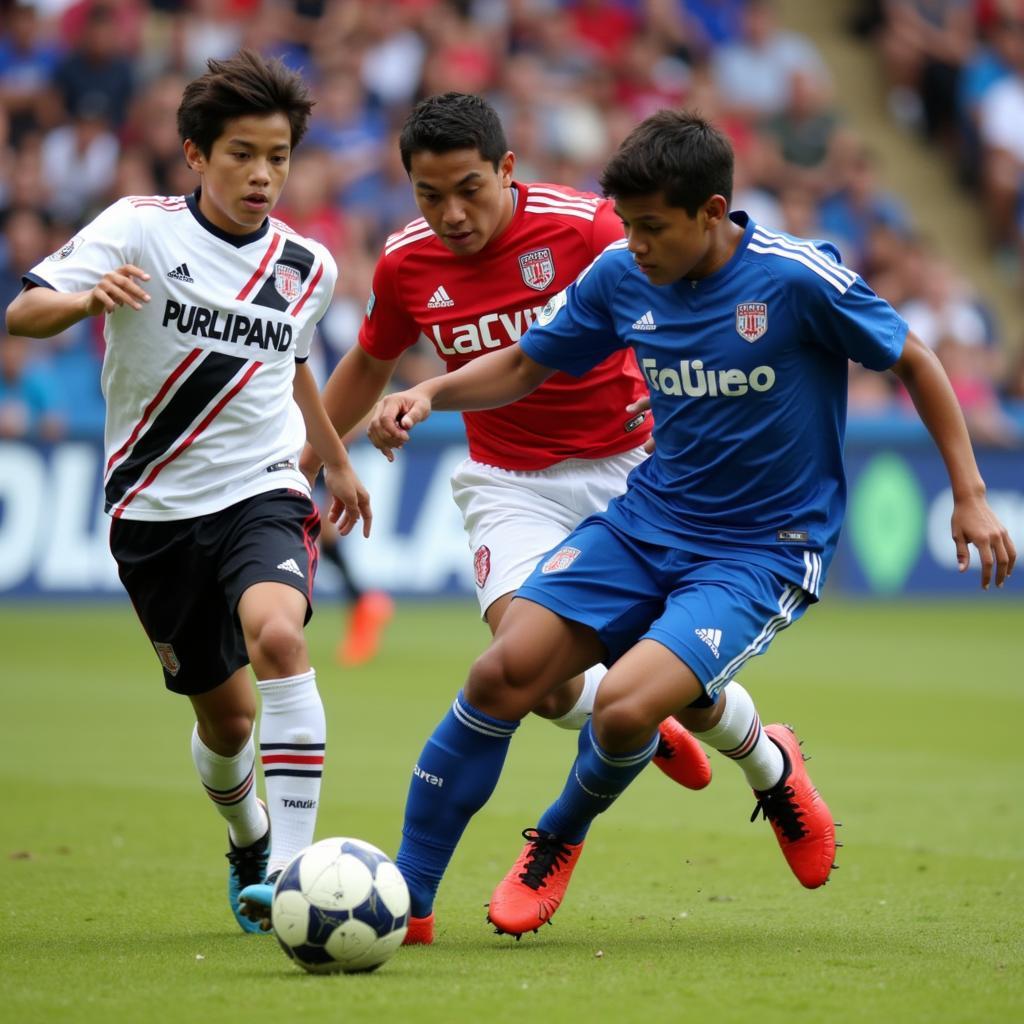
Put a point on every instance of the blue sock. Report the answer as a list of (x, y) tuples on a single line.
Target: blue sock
[(454, 777), (596, 780)]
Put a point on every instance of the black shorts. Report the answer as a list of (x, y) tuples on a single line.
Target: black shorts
[(186, 577)]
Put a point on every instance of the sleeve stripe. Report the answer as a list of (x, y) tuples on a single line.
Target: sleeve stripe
[(567, 210), (405, 239), (549, 195), (808, 249), (840, 286)]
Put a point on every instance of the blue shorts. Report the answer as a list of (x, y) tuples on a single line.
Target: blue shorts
[(714, 614)]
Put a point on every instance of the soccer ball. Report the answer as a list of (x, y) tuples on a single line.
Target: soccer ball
[(340, 905)]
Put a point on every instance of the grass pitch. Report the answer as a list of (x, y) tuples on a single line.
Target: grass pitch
[(113, 872)]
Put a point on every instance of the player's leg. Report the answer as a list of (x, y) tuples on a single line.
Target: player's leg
[(643, 688), (225, 758), (748, 607), (514, 520), (459, 766), (267, 573), (170, 577), (571, 705)]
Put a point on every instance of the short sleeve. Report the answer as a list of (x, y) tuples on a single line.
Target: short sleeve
[(845, 316), (387, 329), (113, 239)]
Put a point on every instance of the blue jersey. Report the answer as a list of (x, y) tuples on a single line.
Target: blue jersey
[(747, 370)]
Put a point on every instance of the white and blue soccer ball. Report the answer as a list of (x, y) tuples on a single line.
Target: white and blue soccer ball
[(340, 905)]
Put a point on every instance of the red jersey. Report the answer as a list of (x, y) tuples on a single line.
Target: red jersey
[(470, 305)]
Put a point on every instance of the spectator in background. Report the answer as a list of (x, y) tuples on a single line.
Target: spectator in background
[(28, 394), (856, 204), (79, 160), (97, 73), (24, 241), (925, 43), (754, 74), (353, 135), (1001, 131), (27, 63)]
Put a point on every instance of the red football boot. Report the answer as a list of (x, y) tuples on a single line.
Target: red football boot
[(801, 820), (531, 892), (421, 931), (681, 757)]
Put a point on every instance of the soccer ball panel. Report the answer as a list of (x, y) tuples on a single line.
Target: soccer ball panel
[(340, 905)]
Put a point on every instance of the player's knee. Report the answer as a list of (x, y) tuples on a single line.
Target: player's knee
[(497, 682), (227, 734), (621, 723), (277, 648)]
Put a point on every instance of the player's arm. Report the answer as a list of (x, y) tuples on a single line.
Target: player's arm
[(496, 379), (973, 521), (355, 385), (351, 502), (43, 312)]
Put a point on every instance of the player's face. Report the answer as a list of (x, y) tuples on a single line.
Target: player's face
[(462, 197), (666, 242), (243, 176)]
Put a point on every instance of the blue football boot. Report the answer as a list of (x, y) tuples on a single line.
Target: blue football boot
[(247, 866)]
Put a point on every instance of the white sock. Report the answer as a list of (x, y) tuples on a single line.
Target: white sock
[(228, 782), (580, 713), (738, 735), (292, 738)]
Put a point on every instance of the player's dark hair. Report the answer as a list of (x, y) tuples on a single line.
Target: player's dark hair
[(449, 121), (676, 153), (242, 86)]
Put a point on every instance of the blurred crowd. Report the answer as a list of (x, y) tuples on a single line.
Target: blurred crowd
[(89, 90)]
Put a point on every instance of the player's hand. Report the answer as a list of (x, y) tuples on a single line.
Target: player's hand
[(642, 405), (393, 417), (117, 288), (310, 464), (975, 523), (350, 499)]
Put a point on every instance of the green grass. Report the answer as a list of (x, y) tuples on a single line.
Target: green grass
[(112, 866)]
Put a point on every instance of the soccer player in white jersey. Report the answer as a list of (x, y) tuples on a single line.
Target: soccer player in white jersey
[(470, 275), (210, 306), (724, 536)]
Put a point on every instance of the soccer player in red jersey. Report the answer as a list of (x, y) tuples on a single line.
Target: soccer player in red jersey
[(471, 275)]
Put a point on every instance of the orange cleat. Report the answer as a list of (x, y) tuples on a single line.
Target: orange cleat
[(421, 931), (372, 612), (532, 891), (801, 820), (681, 757)]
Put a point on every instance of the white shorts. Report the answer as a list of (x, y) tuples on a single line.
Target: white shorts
[(514, 517)]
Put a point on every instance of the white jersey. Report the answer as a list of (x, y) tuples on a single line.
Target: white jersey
[(198, 383)]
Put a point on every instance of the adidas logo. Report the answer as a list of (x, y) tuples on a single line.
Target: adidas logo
[(180, 273), (440, 299), (290, 565), (712, 637), (645, 323)]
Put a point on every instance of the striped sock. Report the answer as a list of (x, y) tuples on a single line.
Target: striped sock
[(739, 736), (228, 782), (292, 741)]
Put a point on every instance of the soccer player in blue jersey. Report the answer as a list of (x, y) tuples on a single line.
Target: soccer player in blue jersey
[(722, 539)]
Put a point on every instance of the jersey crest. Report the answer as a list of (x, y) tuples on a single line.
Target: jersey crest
[(751, 320), (537, 268), (561, 559), (287, 281), (482, 564)]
